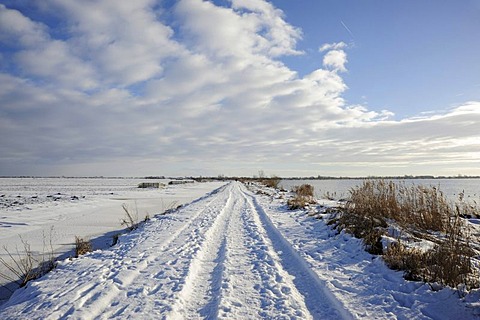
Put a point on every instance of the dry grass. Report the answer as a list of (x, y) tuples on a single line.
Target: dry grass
[(304, 190), (25, 266), (272, 182), (82, 246), (130, 221), (297, 202), (447, 263), (419, 207), (419, 210), (410, 260), (304, 195)]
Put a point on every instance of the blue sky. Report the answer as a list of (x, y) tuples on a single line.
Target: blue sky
[(405, 56), (191, 87)]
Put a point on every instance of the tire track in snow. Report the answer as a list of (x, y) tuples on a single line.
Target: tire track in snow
[(123, 269), (254, 285), (319, 300), (201, 291), (241, 271), (171, 261), (223, 259)]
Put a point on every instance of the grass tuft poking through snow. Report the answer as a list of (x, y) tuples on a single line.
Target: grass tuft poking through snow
[(130, 221), (24, 266), (304, 195), (82, 246)]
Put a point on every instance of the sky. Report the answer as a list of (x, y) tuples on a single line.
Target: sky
[(235, 87)]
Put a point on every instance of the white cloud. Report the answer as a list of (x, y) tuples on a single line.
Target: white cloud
[(41, 56), (124, 40), (336, 60), (122, 85), (333, 46), (258, 30), (18, 29), (281, 37)]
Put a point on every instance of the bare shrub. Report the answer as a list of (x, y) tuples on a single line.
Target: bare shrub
[(304, 190), (297, 202), (82, 246), (449, 262), (23, 266), (48, 262), (272, 182), (304, 195), (368, 228), (130, 221)]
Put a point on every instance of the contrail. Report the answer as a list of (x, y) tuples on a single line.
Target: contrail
[(346, 28)]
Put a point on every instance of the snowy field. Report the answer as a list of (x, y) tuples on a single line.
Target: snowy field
[(234, 254), (58, 209)]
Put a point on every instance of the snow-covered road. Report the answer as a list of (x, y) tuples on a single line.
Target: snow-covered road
[(220, 257), (227, 255)]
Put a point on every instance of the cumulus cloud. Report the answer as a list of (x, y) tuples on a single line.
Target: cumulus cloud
[(135, 87), (124, 40), (333, 46), (38, 55), (336, 60)]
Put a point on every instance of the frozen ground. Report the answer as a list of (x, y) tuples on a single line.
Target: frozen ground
[(42, 209), (233, 254)]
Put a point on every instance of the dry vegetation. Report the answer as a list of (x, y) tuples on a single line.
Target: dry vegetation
[(425, 215), (82, 246), (272, 182), (130, 221), (304, 195), (25, 266)]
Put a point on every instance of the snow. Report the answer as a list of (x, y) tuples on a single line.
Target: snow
[(88, 208), (234, 254)]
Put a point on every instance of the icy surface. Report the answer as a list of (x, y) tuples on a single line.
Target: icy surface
[(233, 254)]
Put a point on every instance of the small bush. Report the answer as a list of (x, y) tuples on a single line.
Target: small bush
[(304, 195), (297, 202), (305, 190), (272, 182), (368, 228), (82, 246)]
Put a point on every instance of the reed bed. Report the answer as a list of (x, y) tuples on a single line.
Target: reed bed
[(421, 211)]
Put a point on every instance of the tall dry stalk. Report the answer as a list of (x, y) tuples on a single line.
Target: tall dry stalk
[(130, 220), (22, 265), (419, 209)]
